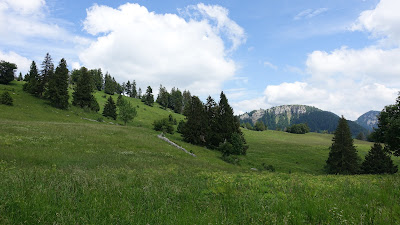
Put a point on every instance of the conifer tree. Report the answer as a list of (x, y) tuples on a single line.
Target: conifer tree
[(109, 85), (177, 100), (213, 137), (195, 128), (133, 89), (140, 93), (228, 124), (343, 158), (82, 95), (163, 97), (45, 74), (57, 90), (128, 89), (20, 77), (378, 161), (32, 85), (110, 109), (97, 77), (148, 98)]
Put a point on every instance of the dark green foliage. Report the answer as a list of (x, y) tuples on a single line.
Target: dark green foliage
[(181, 127), (378, 161), (163, 97), (196, 126), (268, 167), (249, 126), (109, 84), (343, 158), (6, 98), (259, 126), (133, 89), (20, 77), (139, 93), (361, 136), (176, 100), (148, 97), (164, 125), (301, 128), (7, 72), (213, 138), (33, 83), (388, 131), (232, 159), (186, 98), (110, 109), (75, 74), (120, 100), (57, 91), (126, 111), (82, 95), (128, 89), (45, 75), (98, 79)]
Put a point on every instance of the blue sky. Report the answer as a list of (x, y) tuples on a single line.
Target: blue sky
[(337, 55)]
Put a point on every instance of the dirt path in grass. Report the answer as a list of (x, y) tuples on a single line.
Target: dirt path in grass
[(174, 144)]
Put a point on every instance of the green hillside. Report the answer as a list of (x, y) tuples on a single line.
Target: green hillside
[(61, 167)]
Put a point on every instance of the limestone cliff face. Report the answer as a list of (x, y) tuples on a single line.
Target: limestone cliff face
[(369, 120), (286, 112)]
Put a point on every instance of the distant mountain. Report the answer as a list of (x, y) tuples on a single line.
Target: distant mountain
[(283, 116), (368, 120)]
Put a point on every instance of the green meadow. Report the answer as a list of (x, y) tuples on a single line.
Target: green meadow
[(65, 167)]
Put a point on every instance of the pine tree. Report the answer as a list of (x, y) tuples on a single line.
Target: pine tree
[(97, 77), (20, 77), (213, 137), (109, 85), (343, 158), (140, 93), (45, 74), (163, 97), (128, 89), (228, 124), (82, 95), (177, 100), (110, 109), (195, 128), (7, 72), (148, 98), (57, 90), (32, 85), (133, 89), (377, 161)]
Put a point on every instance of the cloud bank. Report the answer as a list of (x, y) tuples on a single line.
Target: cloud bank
[(190, 51)]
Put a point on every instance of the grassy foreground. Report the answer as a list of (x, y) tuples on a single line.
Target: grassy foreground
[(57, 168)]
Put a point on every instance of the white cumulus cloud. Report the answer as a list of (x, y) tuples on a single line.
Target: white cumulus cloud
[(133, 43), (22, 62)]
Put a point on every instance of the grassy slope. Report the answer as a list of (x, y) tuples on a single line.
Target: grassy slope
[(56, 167)]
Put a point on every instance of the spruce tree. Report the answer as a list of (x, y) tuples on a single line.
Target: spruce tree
[(33, 83), (343, 158), (163, 97), (378, 161), (228, 124), (109, 85), (133, 90), (213, 137), (177, 100), (45, 74), (148, 98), (128, 89), (82, 95), (110, 109), (57, 90), (195, 128), (140, 93), (20, 77)]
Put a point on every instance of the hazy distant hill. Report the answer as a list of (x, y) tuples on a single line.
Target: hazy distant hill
[(283, 116), (368, 120)]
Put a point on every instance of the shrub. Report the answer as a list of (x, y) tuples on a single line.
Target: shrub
[(268, 167), (6, 98), (163, 125), (232, 159), (301, 128)]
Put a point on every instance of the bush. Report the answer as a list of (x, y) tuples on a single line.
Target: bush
[(6, 98), (259, 126), (163, 125), (301, 128), (268, 167)]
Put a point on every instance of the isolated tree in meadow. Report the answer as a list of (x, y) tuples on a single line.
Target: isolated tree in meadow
[(343, 158), (388, 131), (126, 111), (110, 109), (378, 161), (6, 98), (82, 95), (57, 91), (128, 89), (7, 72)]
